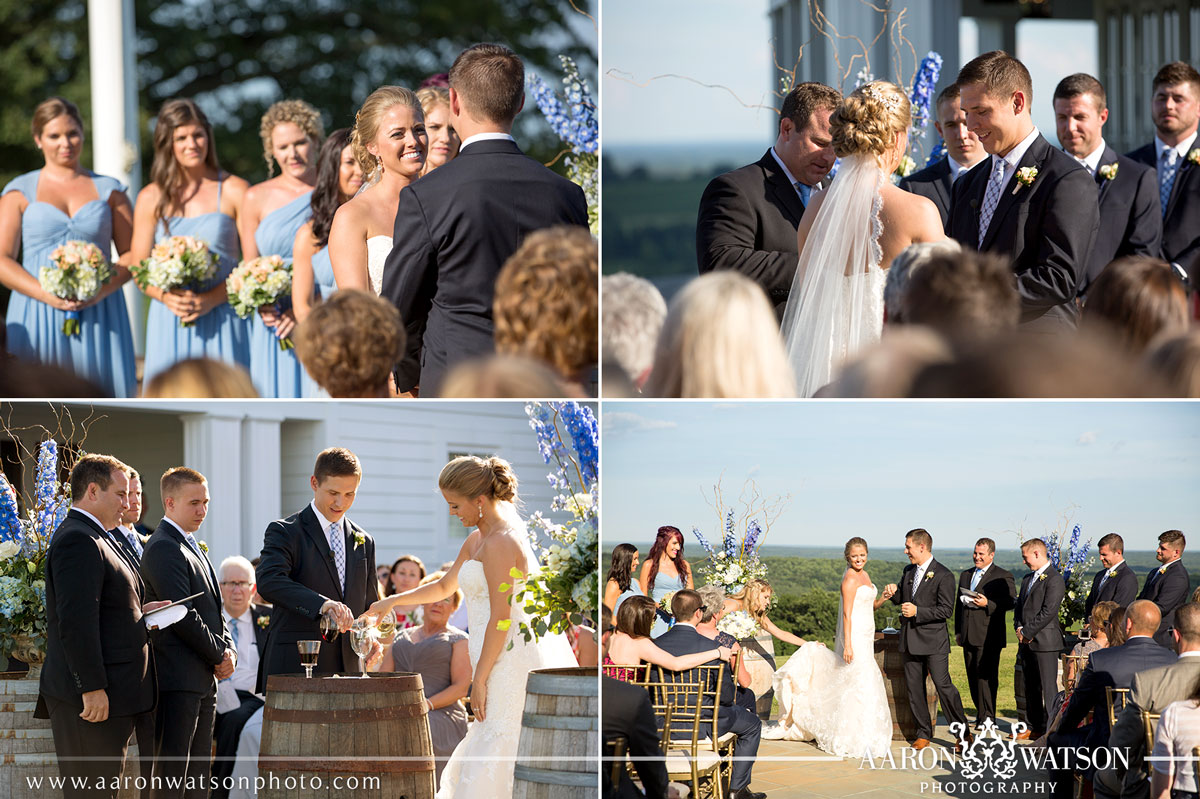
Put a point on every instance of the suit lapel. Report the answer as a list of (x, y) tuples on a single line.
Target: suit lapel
[(1015, 192), (1182, 174), (944, 185), (204, 566), (784, 190), (312, 527), (1109, 158)]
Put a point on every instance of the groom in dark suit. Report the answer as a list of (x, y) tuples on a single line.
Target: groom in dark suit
[(457, 226), (748, 217), (1029, 201), (980, 625), (194, 652), (1039, 634), (99, 677), (317, 562), (963, 152), (926, 599)]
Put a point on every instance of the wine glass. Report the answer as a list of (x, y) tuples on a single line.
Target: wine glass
[(308, 655), (361, 635), (387, 625), (891, 622), (329, 627)]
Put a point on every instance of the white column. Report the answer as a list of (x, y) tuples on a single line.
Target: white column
[(262, 488), (212, 444)]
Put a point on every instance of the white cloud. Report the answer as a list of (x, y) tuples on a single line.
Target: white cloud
[(1087, 438), (624, 422)]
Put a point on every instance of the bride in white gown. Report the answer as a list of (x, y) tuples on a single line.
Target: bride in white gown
[(849, 235), (837, 697), (481, 493)]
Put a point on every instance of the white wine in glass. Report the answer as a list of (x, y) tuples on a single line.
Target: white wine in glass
[(387, 625)]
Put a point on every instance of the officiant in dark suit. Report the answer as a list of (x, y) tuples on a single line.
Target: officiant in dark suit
[(963, 152), (317, 562), (980, 625), (1039, 634), (748, 217), (1130, 218), (457, 226), (1116, 582), (1168, 586), (194, 652), (99, 676), (926, 597), (1029, 201)]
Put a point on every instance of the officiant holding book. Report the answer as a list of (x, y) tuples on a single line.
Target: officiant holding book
[(986, 594)]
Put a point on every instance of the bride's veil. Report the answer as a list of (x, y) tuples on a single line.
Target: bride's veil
[(825, 313)]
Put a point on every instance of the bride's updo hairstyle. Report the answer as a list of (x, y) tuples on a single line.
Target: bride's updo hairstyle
[(469, 476), (854, 542), (366, 124), (869, 119)]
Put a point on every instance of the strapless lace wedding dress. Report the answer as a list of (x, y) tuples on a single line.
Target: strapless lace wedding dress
[(482, 764), (378, 248), (842, 706)]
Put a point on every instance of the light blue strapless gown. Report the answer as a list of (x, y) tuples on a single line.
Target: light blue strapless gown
[(103, 350), (219, 334), (276, 372), (664, 585), (635, 589), (325, 284)]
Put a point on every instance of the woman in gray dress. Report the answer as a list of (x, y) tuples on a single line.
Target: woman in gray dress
[(439, 654)]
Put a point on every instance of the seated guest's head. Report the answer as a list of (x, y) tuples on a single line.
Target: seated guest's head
[(635, 616), (545, 305), (1177, 361), (712, 598), (200, 377), (350, 343), (720, 339), (804, 143), (910, 259), (1187, 628), (1142, 617), (406, 574), (888, 368), (964, 294), (1101, 614), (487, 89), (633, 314), (237, 585), (1135, 300), (29, 379), (685, 606), (504, 376), (1116, 627)]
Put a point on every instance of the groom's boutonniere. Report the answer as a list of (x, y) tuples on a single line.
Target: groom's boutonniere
[(1025, 177), (1194, 156), (203, 546), (1108, 171), (359, 540)]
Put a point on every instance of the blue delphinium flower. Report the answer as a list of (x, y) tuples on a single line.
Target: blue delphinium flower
[(730, 543), (575, 120), (922, 91), (10, 520), (46, 490), (937, 153), (703, 542), (581, 424), (753, 531)]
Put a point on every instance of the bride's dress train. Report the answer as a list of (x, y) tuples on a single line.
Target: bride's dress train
[(842, 706)]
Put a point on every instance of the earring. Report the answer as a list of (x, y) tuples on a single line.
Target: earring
[(480, 506)]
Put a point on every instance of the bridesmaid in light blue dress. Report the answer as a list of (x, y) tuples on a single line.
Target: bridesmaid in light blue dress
[(189, 195), (75, 204), (665, 571), (272, 214), (621, 582), (339, 177)]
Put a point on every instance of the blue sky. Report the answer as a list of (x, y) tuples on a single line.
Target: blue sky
[(961, 470), (730, 44)]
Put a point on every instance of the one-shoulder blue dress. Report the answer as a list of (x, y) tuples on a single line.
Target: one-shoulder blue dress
[(276, 372), (103, 350), (219, 334), (325, 285)]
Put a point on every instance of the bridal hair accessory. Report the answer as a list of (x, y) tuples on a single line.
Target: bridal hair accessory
[(1025, 177), (1108, 171), (890, 101)]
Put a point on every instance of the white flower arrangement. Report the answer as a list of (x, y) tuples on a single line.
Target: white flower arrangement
[(739, 624), (1025, 177), (77, 271)]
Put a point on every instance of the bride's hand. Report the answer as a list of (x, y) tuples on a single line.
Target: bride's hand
[(479, 698), (848, 655)]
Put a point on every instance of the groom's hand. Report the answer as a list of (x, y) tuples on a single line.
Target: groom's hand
[(908, 610), (95, 706), (341, 614), (889, 590)]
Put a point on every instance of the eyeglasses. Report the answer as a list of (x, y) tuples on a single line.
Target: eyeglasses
[(236, 584)]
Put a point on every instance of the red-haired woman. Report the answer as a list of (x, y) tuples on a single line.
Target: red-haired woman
[(665, 572)]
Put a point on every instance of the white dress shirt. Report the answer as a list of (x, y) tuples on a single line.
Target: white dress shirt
[(325, 522), (1013, 159), (1091, 161), (970, 601), (957, 170), (494, 136), (790, 177), (1183, 148), (245, 674), (920, 575), (90, 516)]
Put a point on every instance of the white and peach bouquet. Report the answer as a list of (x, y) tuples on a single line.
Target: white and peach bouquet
[(266, 280), (77, 270), (178, 262)]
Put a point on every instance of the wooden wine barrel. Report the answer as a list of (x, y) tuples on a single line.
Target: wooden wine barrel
[(759, 654), (560, 734), (887, 655), (346, 732)]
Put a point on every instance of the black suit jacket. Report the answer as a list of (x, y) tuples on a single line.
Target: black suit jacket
[(127, 549), (1130, 215), (1036, 609), (934, 182), (1047, 228), (925, 633), (747, 222), (1181, 224), (1112, 666), (1121, 588), (683, 639), (189, 649), (454, 230), (1168, 590), (976, 626), (297, 575), (626, 712), (95, 636)]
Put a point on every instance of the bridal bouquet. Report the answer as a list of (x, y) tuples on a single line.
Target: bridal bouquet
[(565, 590), (266, 280), (77, 271), (179, 262), (740, 624), (736, 562)]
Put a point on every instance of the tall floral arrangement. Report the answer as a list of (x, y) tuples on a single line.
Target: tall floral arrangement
[(1072, 558), (575, 122), (23, 546), (736, 562), (565, 590), (921, 97)]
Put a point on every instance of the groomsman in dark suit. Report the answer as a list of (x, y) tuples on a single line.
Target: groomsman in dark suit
[(981, 625), (926, 599), (1039, 635), (1130, 217), (456, 229), (131, 540), (1175, 156), (317, 562), (1167, 586), (748, 217), (1029, 201), (194, 652), (683, 639), (963, 153), (1116, 582), (99, 674)]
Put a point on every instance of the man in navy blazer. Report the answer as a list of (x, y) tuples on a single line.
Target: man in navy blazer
[(1029, 201), (963, 153), (457, 226), (1116, 582), (1039, 634), (1168, 586), (980, 625), (1130, 216)]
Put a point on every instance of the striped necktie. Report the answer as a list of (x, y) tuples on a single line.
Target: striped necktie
[(991, 198)]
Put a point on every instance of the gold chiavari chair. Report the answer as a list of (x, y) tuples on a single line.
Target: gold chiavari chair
[(677, 705), (1115, 699), (1149, 724)]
